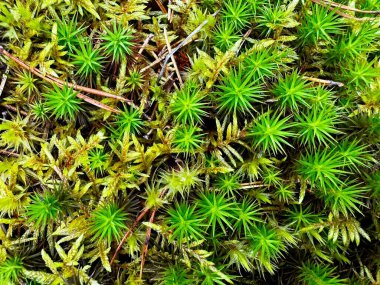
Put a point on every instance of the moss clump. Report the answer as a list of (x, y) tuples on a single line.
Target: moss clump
[(189, 142)]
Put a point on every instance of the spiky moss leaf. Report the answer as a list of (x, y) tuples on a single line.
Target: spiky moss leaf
[(108, 223), (237, 93), (11, 270), (264, 63), (322, 98), (175, 275), (322, 168), (225, 36), (40, 111), (270, 133), (135, 79), (320, 25), (118, 42), (360, 73), (345, 199), (181, 180), (26, 83), (356, 44), (188, 105), (300, 217), (247, 215), (284, 193), (63, 102), (316, 274), (69, 34), (206, 276), (185, 223), (217, 210), (188, 139), (267, 246), (43, 209), (293, 92), (272, 177), (355, 154), (373, 181), (98, 159), (128, 122), (237, 13), (228, 183), (318, 126), (87, 59)]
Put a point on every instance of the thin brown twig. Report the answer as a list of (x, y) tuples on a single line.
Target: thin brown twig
[(158, 60), (245, 36), (132, 228), (172, 57), (347, 16), (185, 41), (324, 81), (9, 153), (53, 79), (4, 80), (93, 101), (129, 232), (348, 8), (15, 110), (145, 43), (146, 243), (61, 83), (162, 7)]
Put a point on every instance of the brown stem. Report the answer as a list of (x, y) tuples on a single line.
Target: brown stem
[(347, 16), (162, 7), (15, 109), (184, 42), (348, 8), (146, 243), (324, 81), (131, 229), (61, 83), (9, 153)]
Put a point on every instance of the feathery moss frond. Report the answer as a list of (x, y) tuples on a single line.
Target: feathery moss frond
[(181, 180)]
